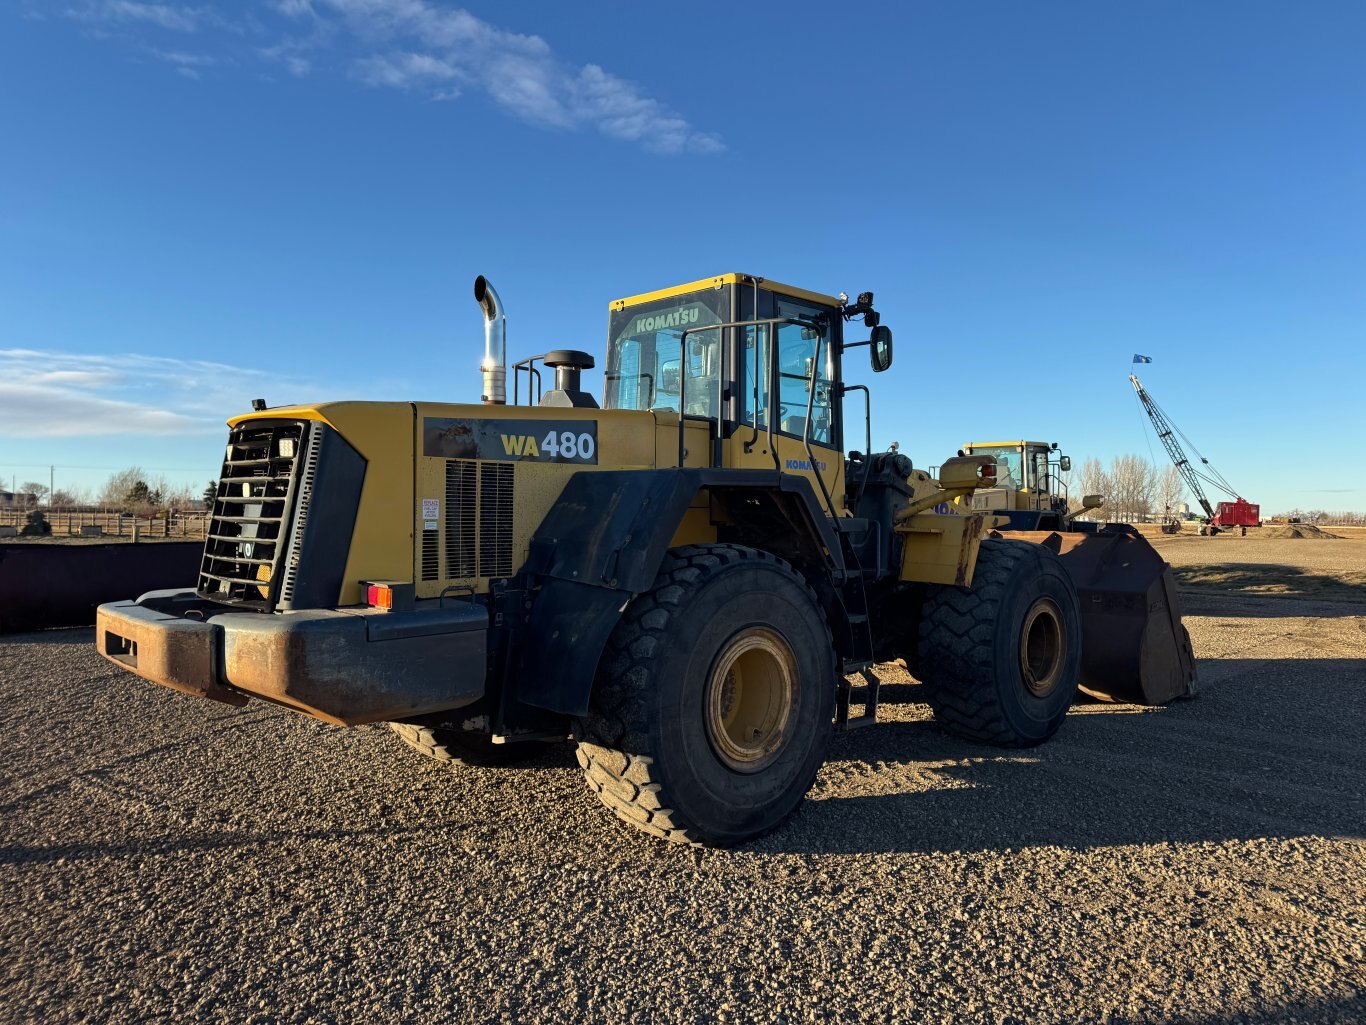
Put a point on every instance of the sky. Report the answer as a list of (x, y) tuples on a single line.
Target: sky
[(205, 203)]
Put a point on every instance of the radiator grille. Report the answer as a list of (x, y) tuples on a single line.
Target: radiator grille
[(249, 525), (479, 519), (461, 506), (307, 475), (495, 520)]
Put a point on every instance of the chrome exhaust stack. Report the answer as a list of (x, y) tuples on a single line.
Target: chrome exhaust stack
[(495, 365)]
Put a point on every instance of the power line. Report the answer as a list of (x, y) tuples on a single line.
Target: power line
[(151, 469)]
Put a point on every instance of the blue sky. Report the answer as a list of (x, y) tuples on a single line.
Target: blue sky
[(208, 202)]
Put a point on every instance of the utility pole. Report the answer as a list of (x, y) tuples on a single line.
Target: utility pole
[(51, 480)]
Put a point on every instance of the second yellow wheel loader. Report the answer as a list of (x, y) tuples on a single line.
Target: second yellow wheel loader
[(1116, 571), (679, 580)]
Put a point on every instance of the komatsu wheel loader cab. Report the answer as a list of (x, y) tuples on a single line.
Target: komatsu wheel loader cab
[(1029, 489), (681, 578)]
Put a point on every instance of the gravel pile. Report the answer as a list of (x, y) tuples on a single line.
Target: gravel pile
[(163, 859), (1300, 530)]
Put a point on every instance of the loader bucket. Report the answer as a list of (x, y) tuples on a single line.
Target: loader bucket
[(1134, 647)]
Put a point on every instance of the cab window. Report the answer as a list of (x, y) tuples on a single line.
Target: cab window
[(647, 367), (1009, 472), (797, 357), (1039, 471)]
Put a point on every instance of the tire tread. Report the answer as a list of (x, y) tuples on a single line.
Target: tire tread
[(956, 650), (615, 726)]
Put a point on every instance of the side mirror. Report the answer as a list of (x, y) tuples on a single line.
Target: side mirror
[(880, 348), (669, 377), (1065, 463)]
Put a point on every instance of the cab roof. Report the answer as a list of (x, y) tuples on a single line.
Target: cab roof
[(726, 279), (1004, 444)]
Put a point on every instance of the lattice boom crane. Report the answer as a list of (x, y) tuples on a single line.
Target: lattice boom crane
[(1229, 514)]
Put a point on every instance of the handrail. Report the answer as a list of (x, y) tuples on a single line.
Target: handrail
[(532, 374), (868, 434), (806, 429)]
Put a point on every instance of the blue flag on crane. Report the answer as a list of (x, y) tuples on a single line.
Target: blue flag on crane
[(1142, 359)]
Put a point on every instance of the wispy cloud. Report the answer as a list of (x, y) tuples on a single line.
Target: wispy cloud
[(173, 17), (423, 44), (188, 64), (55, 394), (406, 70), (290, 53), (417, 46)]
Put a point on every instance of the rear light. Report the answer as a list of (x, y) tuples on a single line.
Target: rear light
[(388, 595)]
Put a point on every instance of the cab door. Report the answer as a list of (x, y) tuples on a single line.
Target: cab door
[(804, 354)]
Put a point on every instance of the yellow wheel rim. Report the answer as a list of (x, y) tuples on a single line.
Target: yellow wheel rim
[(749, 699)]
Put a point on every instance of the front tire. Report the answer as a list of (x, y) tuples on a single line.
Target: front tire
[(713, 706), (1001, 659)]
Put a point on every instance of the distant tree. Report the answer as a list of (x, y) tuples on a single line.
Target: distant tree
[(1131, 483), (142, 495), (63, 499), (1095, 481), (32, 493), (114, 494), (210, 495), (182, 497), (1170, 490)]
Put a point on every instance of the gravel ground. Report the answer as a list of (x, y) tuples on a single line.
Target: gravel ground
[(169, 860)]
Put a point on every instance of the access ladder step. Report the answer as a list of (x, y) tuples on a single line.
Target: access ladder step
[(842, 720)]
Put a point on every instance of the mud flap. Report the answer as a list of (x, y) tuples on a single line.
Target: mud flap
[(1135, 648)]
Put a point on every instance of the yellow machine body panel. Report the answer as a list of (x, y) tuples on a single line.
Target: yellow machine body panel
[(793, 460), (382, 432), (941, 548), (488, 475), (940, 541)]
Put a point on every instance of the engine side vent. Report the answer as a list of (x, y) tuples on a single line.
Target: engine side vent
[(431, 551), (245, 543), (495, 519), (461, 509)]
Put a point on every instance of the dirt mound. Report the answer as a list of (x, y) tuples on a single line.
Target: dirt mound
[(1300, 530)]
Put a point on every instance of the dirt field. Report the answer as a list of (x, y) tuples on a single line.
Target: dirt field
[(1332, 570), (168, 860)]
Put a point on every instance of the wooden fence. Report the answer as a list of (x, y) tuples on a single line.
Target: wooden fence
[(178, 524)]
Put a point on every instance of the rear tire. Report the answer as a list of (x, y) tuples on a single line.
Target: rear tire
[(1001, 659), (714, 701), (462, 747)]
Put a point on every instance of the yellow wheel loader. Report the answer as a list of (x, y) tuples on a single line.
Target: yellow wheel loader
[(679, 580), (1125, 657)]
